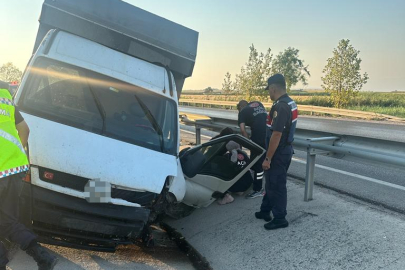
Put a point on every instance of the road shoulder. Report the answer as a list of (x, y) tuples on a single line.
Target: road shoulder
[(333, 231)]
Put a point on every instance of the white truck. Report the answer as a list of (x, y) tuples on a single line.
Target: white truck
[(100, 95)]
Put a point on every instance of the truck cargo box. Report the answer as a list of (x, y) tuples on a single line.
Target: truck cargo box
[(125, 28)]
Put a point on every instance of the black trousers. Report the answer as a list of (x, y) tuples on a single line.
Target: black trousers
[(242, 184), (10, 228), (259, 174), (257, 167), (275, 199)]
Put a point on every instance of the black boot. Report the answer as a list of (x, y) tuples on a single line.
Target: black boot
[(263, 215), (44, 259), (276, 224), (3, 268)]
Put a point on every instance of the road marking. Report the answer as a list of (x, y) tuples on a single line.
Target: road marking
[(190, 132), (353, 175)]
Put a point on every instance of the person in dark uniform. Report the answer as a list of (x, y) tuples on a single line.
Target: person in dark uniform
[(234, 153), (281, 127), (13, 166), (254, 115)]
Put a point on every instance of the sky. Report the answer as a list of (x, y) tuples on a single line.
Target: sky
[(228, 27)]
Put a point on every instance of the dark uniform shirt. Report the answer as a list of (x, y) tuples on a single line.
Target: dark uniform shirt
[(254, 115), (280, 119)]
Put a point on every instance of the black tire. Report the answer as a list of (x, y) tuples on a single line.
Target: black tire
[(179, 210)]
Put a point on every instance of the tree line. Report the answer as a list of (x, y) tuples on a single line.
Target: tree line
[(10, 73), (341, 80)]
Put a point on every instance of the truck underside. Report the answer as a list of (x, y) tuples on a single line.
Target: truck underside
[(64, 220)]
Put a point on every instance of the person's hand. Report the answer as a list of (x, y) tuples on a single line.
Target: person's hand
[(266, 165)]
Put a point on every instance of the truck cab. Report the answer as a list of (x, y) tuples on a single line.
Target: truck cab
[(100, 95)]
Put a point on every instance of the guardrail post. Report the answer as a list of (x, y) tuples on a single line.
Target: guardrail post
[(309, 177), (197, 135)]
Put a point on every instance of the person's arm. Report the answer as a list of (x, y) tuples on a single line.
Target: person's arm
[(273, 144), (243, 130), (242, 122), (23, 132), (280, 120)]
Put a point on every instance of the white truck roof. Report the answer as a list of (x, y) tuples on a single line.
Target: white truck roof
[(125, 28)]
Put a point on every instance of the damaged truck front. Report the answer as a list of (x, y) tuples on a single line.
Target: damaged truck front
[(100, 95)]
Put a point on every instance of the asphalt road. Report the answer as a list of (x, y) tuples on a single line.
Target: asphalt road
[(375, 183), (384, 130), (332, 232), (371, 182)]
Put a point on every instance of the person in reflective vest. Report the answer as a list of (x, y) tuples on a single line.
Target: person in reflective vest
[(281, 125), (13, 165)]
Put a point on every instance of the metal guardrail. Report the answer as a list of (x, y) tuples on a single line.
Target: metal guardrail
[(305, 108), (352, 148)]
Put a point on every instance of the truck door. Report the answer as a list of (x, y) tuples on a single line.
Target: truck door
[(210, 172)]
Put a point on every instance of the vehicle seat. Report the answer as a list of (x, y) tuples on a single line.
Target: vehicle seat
[(192, 163)]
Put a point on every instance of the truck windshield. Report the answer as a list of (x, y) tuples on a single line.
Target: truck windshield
[(100, 104)]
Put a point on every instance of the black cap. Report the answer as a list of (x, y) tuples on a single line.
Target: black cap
[(276, 79)]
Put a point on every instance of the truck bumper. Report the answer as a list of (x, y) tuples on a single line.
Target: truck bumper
[(63, 220)]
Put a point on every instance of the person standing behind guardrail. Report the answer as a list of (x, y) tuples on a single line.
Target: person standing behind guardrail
[(254, 115), (281, 128)]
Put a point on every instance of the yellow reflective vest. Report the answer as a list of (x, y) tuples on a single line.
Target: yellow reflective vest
[(13, 158)]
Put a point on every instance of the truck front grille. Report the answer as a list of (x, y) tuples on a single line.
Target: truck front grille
[(78, 183)]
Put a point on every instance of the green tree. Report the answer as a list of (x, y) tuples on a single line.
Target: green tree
[(291, 66), (227, 85), (252, 77), (9, 73), (208, 90), (342, 79)]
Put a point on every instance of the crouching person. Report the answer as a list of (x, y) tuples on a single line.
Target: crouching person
[(241, 159)]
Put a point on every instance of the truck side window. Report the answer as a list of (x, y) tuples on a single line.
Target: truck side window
[(63, 94)]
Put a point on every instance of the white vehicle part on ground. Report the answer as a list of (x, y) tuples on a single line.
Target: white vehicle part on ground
[(197, 195), (178, 185), (71, 150), (200, 189)]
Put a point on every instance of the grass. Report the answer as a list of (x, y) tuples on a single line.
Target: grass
[(385, 103), (394, 111)]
